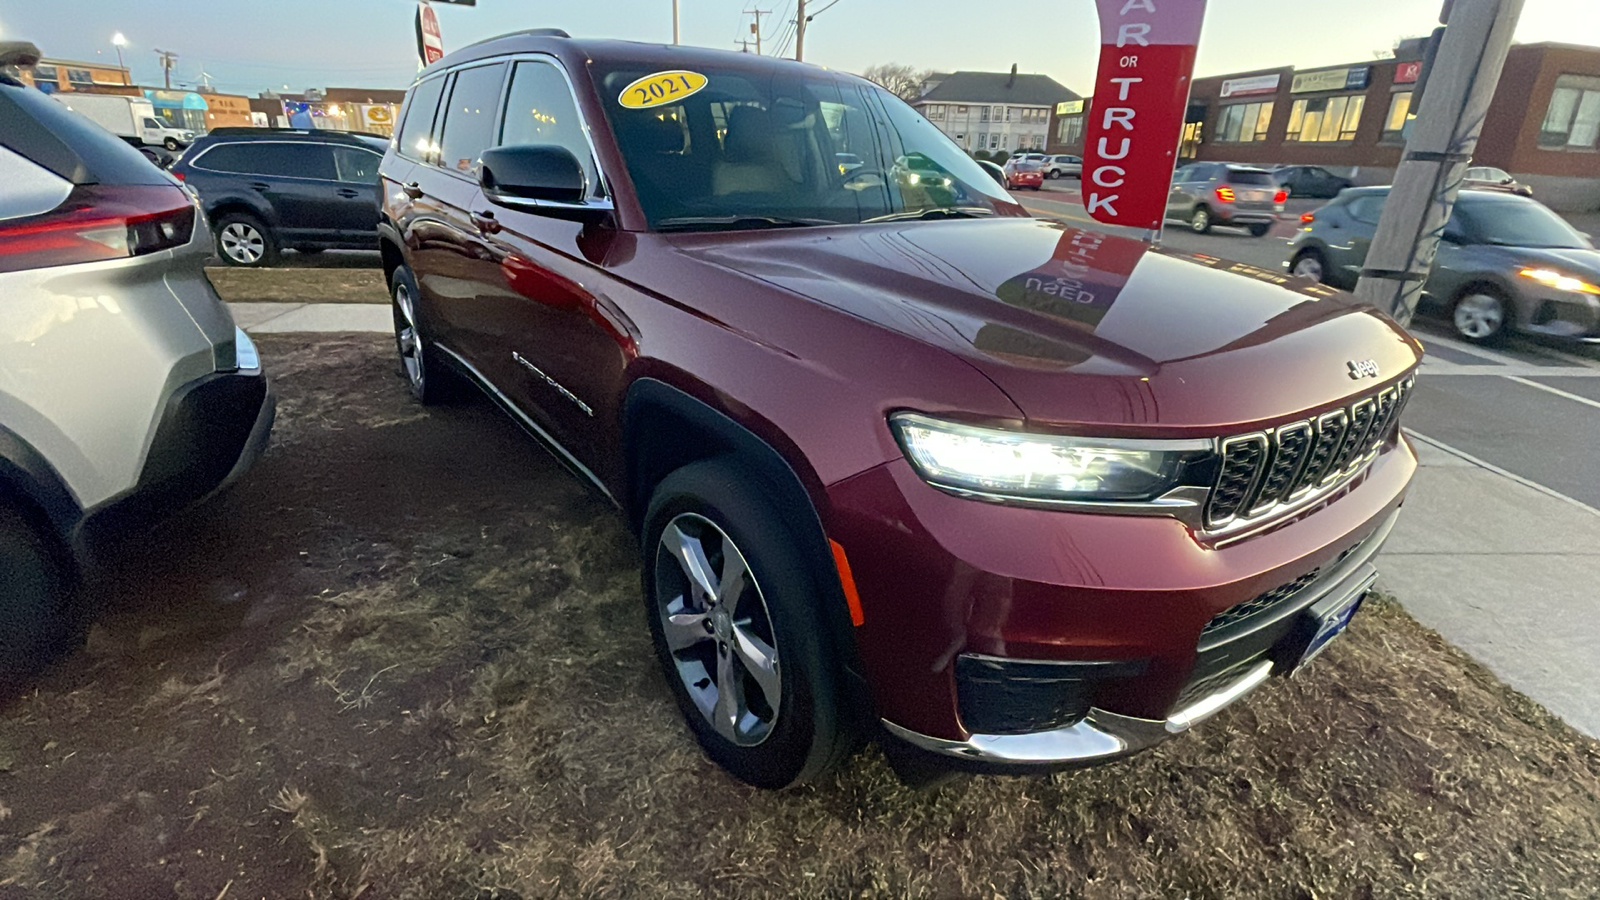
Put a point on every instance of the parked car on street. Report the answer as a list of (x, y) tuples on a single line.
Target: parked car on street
[(126, 391), (1506, 263), (902, 462), (1022, 174), (1063, 166), (1310, 181), (1209, 194), (1489, 178), (266, 190)]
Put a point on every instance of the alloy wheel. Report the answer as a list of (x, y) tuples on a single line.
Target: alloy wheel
[(717, 629), (1480, 316), (243, 243), (1201, 221), (1309, 266), (406, 336)]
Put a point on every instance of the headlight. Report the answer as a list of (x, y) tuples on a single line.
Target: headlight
[(1047, 467), (1553, 279)]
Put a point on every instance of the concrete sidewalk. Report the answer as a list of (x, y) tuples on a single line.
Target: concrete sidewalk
[(1502, 568)]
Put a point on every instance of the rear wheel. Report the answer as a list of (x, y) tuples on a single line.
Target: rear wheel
[(1200, 220), (242, 240), (1479, 314), (429, 380), (732, 610), (36, 598)]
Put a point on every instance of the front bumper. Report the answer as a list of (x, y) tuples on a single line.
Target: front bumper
[(1102, 735), (944, 580)]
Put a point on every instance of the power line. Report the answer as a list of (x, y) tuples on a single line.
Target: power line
[(822, 10)]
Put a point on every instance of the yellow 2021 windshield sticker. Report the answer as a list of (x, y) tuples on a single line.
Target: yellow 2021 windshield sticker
[(661, 88)]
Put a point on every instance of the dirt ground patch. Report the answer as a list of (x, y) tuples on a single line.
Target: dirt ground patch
[(406, 658), (281, 285)]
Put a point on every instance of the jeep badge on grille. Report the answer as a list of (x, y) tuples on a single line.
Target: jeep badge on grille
[(1363, 368)]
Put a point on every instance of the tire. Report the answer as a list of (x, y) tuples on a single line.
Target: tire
[(431, 381), (243, 240), (38, 620), (768, 742), (1260, 229), (1054, 174), (1480, 314), (1200, 220), (171, 144), (1310, 264)]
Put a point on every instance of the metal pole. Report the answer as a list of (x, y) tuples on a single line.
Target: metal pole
[(800, 30), (1462, 83), (675, 21)]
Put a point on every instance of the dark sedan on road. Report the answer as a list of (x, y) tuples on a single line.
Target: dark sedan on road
[(902, 460), (1505, 263), (1310, 181)]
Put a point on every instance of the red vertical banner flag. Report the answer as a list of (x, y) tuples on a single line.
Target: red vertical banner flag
[(1140, 96)]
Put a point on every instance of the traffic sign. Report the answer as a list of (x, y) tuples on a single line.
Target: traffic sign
[(1141, 93), (430, 43)]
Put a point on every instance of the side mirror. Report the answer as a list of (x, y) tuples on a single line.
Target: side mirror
[(540, 178), (1452, 236)]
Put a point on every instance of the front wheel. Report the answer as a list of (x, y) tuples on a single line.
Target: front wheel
[(732, 606), (1309, 264), (1259, 229), (171, 144), (1480, 315), (1200, 220), (428, 379)]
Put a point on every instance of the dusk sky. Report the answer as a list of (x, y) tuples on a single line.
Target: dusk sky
[(249, 47)]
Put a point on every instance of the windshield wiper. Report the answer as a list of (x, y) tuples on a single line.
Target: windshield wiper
[(736, 223), (938, 212)]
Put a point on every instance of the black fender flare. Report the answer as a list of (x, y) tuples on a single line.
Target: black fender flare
[(26, 472)]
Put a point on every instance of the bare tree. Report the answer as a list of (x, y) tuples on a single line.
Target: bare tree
[(901, 80)]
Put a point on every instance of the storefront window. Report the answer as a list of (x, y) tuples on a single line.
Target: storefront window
[(1573, 116), (80, 77), (1399, 111), (1070, 130), (1326, 119), (1244, 122)]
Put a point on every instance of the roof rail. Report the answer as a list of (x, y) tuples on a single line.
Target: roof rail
[(237, 130), (526, 32)]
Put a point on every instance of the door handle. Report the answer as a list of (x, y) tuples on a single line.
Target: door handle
[(347, 192), (412, 189), (260, 186), (485, 222)]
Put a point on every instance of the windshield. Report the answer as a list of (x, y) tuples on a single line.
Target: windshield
[(1515, 222), (1250, 176), (787, 147)]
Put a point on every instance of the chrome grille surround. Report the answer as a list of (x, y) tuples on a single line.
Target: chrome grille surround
[(1263, 474)]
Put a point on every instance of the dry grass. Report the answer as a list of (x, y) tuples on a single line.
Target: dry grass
[(313, 285), (438, 684)]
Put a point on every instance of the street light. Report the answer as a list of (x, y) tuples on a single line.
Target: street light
[(118, 41)]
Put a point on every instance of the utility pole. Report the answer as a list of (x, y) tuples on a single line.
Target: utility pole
[(800, 30), (755, 27), (167, 59), (675, 21), (1455, 100)]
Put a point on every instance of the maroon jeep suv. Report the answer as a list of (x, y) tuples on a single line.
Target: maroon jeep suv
[(902, 460)]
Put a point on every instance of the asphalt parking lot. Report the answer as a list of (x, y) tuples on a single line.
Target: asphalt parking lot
[(406, 657)]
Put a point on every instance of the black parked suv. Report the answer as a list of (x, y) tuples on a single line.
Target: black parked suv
[(266, 190)]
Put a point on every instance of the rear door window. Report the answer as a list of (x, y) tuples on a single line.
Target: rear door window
[(416, 134), (1366, 209), (469, 117), (289, 160)]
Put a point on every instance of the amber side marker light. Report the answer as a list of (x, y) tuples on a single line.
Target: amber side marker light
[(848, 582)]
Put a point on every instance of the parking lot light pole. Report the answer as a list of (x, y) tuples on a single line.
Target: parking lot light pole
[(1455, 100), (118, 41), (675, 21)]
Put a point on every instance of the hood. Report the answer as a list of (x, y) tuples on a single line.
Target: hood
[(1080, 328), (1584, 263)]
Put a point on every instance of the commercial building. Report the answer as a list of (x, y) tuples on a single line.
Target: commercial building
[(1543, 125), (342, 109), (992, 111), (53, 75)]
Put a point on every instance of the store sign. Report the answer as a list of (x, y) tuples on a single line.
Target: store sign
[(1141, 93), (1407, 72), (378, 116), (1257, 84), (430, 43), (1352, 79), (1069, 108)]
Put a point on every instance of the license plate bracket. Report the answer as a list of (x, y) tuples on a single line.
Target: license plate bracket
[(1324, 621)]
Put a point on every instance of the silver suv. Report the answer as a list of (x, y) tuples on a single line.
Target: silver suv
[(126, 391), (1206, 194)]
